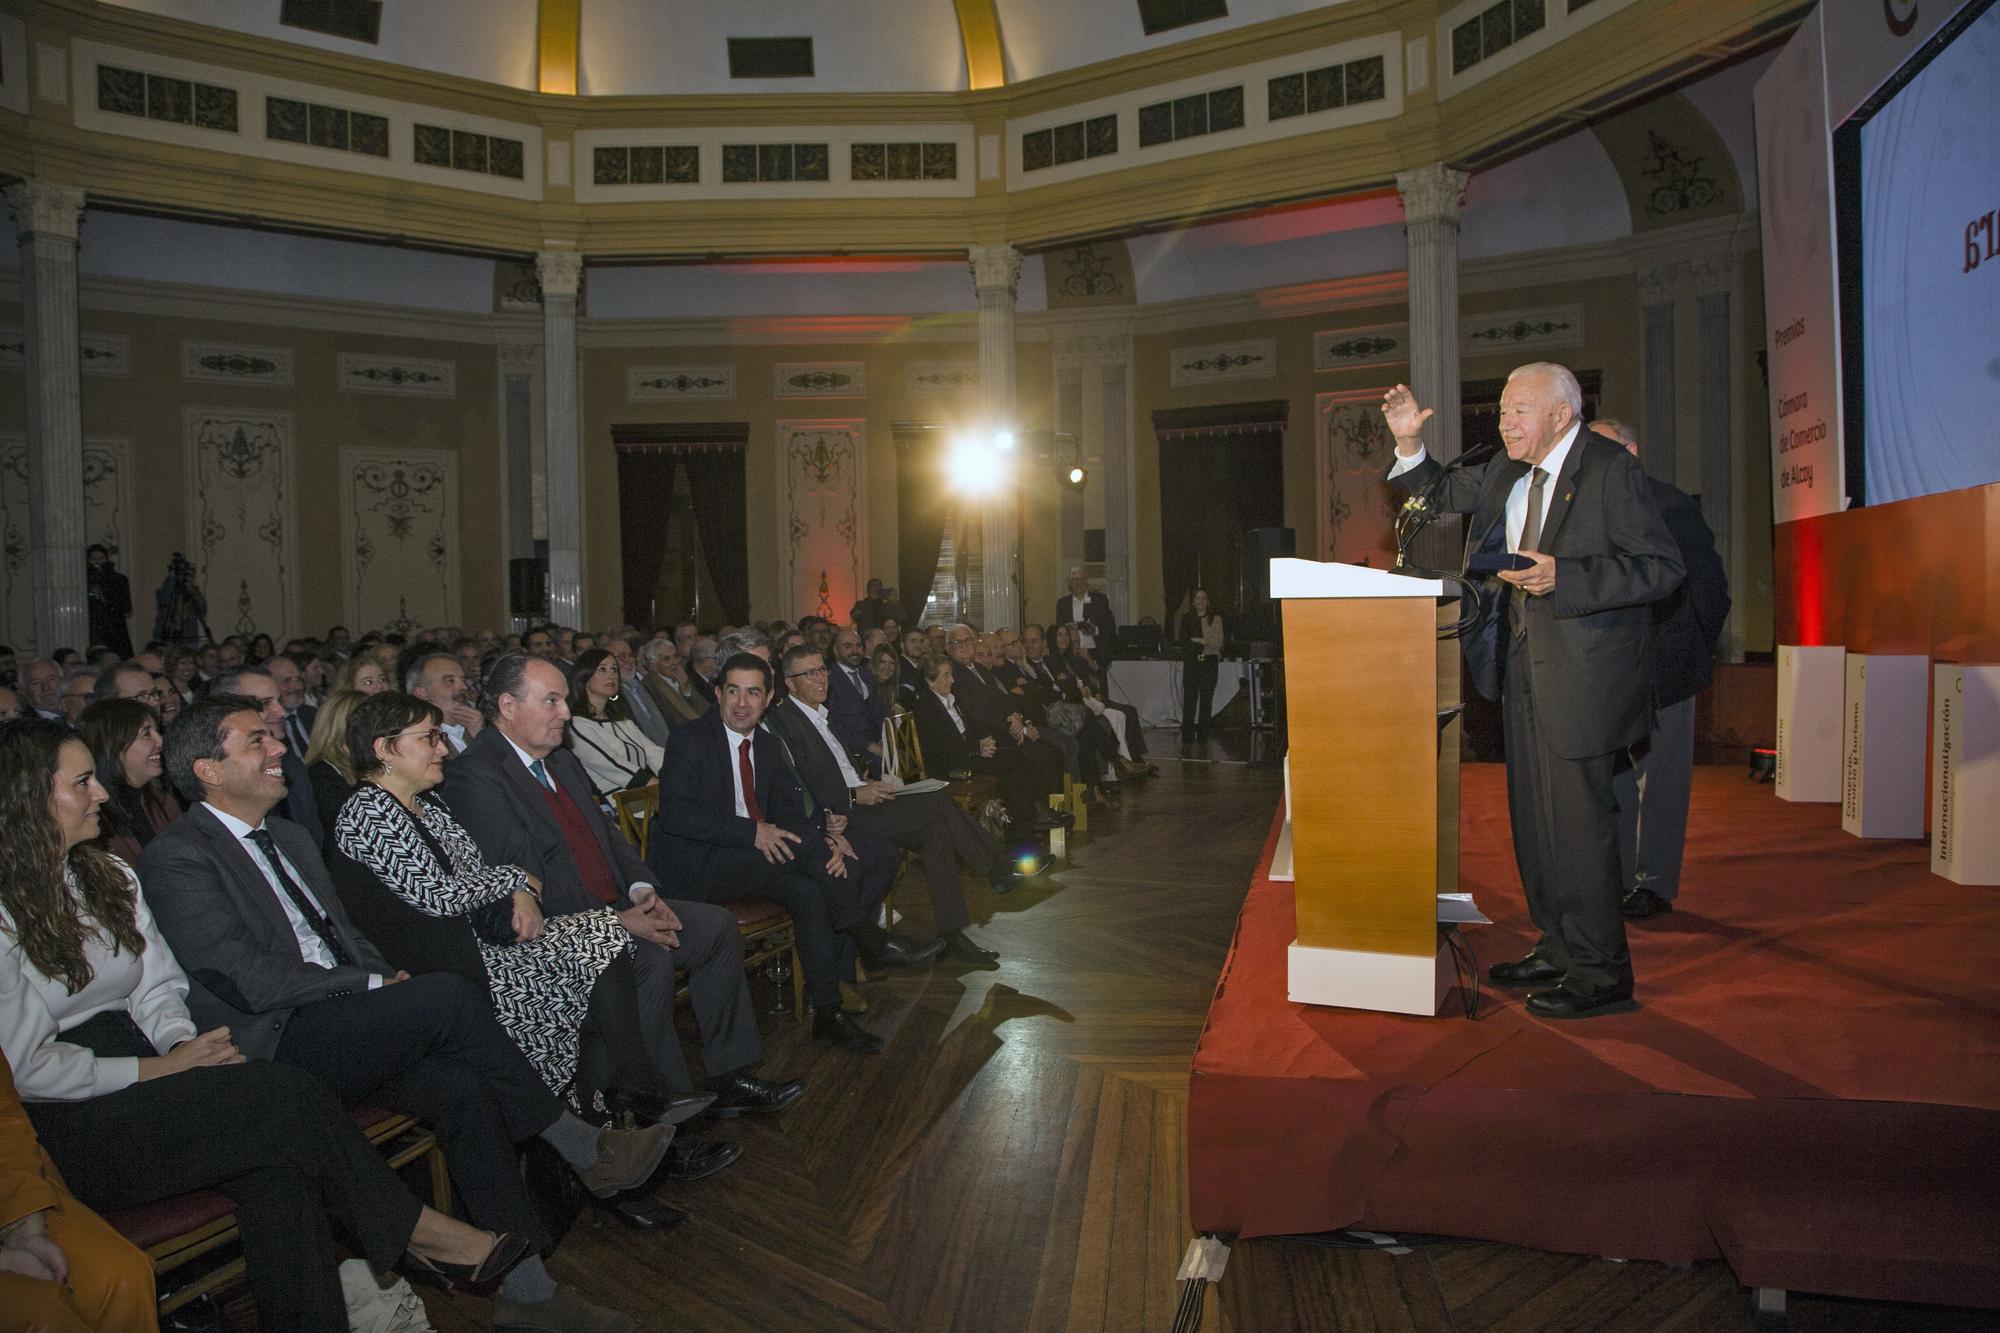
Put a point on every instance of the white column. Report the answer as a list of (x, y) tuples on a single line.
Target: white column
[(1658, 288), (48, 217), (996, 269), (561, 272), (1431, 202), (1714, 287), (1097, 366), (520, 485)]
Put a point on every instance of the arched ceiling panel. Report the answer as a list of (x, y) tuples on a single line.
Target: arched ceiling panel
[(682, 46), (1048, 36)]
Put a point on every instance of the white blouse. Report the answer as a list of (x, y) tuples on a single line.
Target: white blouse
[(35, 1010), (613, 752)]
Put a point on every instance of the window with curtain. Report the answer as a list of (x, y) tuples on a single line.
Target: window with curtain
[(684, 536)]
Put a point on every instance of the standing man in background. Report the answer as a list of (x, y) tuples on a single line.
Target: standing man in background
[(1091, 613), (110, 602), (1653, 793)]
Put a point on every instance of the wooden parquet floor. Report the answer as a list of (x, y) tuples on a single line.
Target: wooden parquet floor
[(1015, 1160)]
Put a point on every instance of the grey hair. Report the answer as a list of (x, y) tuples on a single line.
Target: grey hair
[(1617, 430), (652, 650), (703, 648), (1565, 383), (107, 682), (227, 681), (747, 639), (413, 679)]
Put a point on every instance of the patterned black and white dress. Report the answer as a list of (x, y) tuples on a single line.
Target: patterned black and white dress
[(540, 987)]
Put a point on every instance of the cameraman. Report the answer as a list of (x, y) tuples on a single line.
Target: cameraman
[(180, 608)]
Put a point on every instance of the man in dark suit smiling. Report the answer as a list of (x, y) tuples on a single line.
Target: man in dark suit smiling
[(1566, 645)]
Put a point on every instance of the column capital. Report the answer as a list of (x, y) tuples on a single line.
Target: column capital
[(560, 271), (518, 358), (46, 209), (1431, 193), (994, 267), (1717, 273), (1659, 284)]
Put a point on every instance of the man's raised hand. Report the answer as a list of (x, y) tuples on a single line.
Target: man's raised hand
[(1404, 418)]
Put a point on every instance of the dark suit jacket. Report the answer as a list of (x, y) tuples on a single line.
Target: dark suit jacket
[(1095, 612), (812, 761), (1687, 621), (301, 803), (698, 820), (910, 684), (496, 799), (946, 751), (223, 921), (855, 715), (1589, 640)]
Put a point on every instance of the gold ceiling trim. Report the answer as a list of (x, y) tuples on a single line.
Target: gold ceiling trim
[(985, 60), (558, 35)]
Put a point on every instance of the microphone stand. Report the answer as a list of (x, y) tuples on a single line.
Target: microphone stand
[(1418, 512)]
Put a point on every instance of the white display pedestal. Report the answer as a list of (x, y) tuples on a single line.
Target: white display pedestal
[(1965, 773), (1882, 755), (1392, 983), (1811, 684)]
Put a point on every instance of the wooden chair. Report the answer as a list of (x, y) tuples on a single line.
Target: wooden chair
[(176, 1231), (635, 813)]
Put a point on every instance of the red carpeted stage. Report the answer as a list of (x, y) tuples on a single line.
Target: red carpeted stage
[(1810, 1088)]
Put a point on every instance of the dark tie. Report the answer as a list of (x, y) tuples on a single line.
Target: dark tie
[(749, 776), (322, 927), (298, 729), (541, 773), (1531, 533)]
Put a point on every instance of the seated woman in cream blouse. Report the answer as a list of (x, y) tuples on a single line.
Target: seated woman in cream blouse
[(615, 753), (134, 1105)]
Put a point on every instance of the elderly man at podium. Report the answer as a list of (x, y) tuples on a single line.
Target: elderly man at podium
[(1564, 642)]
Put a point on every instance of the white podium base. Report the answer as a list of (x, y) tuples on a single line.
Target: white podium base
[(1390, 983), (1281, 856)]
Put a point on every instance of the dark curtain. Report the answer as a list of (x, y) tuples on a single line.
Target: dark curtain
[(1214, 488), (922, 508), (645, 499), (718, 487)]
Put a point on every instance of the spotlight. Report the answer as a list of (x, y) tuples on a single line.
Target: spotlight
[(1076, 476), (1004, 438), (974, 466)]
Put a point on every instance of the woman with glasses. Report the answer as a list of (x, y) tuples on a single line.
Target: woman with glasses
[(134, 1104), (614, 751), (416, 885), (125, 745)]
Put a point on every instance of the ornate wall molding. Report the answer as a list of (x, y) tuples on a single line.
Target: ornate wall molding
[(107, 354), (656, 383), (107, 518), (822, 516), (1369, 345), (242, 514), (399, 536), (922, 379), (994, 266), (819, 379), (1521, 330), (1213, 363), (1354, 512), (230, 363), (404, 376)]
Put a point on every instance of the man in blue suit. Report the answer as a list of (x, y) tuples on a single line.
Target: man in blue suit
[(854, 706), (734, 824)]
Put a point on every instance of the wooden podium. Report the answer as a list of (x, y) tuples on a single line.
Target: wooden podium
[(1373, 783)]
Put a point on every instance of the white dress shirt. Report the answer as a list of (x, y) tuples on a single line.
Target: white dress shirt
[(311, 947), (1517, 498), (951, 711), (150, 986), (818, 719)]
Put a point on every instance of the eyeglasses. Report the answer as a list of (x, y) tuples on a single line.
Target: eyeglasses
[(810, 671), (430, 737)]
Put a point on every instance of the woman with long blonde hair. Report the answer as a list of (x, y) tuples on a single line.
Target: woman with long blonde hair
[(327, 764)]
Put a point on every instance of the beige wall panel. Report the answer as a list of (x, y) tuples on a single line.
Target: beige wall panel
[(399, 537)]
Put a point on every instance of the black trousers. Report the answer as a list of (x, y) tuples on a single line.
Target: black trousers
[(822, 907), (711, 953), (1197, 696), (272, 1139), (429, 1047), (943, 837), (1564, 815)]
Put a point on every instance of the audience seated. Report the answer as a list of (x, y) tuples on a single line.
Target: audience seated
[(126, 746), (993, 712), (733, 824), (954, 745), (615, 753), (301, 987), (363, 673), (440, 680), (527, 802), (854, 703), (134, 1100), (663, 678)]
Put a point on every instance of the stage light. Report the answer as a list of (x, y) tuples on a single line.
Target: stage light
[(1076, 476), (975, 466), (1004, 438)]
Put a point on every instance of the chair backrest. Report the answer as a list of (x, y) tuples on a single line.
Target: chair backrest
[(902, 753), (636, 809)]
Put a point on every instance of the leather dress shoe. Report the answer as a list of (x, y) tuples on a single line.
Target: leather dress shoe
[(1530, 971), (884, 949), (626, 1159), (1643, 905), (691, 1157), (1561, 1003), (634, 1110), (1052, 819), (831, 1025), (746, 1094), (643, 1212), (959, 949)]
